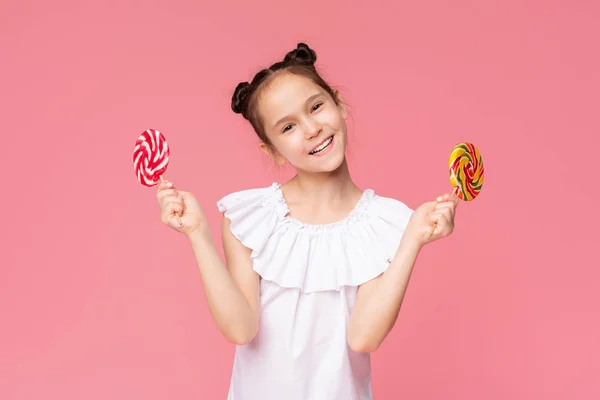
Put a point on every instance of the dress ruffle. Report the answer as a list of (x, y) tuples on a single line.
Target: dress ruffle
[(310, 257)]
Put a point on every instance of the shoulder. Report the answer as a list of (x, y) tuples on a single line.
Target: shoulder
[(251, 215), (247, 195), (389, 207)]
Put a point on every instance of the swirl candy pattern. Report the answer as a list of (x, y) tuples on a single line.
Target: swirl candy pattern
[(150, 157), (466, 171)]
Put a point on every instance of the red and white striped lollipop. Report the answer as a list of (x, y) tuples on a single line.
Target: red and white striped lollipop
[(151, 158)]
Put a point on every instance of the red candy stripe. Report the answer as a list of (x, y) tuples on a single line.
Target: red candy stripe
[(150, 157)]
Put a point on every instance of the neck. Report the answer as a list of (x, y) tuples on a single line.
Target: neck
[(326, 184)]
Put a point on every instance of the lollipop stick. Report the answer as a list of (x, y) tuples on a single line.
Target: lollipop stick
[(176, 215)]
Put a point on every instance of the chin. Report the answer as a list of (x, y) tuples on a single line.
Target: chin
[(334, 164), (331, 164)]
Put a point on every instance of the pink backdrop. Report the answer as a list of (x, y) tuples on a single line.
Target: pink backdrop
[(98, 300)]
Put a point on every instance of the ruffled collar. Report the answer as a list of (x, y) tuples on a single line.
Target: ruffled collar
[(309, 257), (358, 212)]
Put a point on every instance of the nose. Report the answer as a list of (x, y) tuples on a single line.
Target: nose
[(312, 128)]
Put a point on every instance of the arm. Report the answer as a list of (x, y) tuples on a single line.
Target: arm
[(378, 301), (232, 292)]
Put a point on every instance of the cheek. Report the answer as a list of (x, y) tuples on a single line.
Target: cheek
[(339, 125), (335, 119), (297, 143), (291, 146)]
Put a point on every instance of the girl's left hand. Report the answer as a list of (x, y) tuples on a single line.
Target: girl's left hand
[(433, 220)]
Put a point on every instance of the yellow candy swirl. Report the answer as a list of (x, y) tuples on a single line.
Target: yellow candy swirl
[(466, 171)]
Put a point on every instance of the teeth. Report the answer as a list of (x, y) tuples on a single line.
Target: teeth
[(321, 147)]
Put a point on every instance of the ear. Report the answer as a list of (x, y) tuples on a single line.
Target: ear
[(341, 104), (272, 153)]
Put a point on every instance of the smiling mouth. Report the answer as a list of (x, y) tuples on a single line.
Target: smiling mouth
[(323, 146)]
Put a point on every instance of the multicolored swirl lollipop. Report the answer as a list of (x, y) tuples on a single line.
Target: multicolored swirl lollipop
[(466, 171), (151, 158)]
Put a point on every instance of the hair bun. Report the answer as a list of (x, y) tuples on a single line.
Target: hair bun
[(302, 54), (240, 98)]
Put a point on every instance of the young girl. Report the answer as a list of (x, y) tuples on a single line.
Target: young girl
[(316, 268)]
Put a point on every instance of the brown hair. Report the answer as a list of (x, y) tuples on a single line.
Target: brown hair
[(300, 61)]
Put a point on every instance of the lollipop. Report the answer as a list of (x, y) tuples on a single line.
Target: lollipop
[(151, 158), (466, 171)]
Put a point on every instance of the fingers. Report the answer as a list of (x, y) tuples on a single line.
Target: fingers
[(438, 223), (184, 195), (174, 204), (447, 201), (443, 222), (173, 221), (165, 185), (171, 206), (168, 193), (441, 215), (166, 189), (186, 199), (448, 197), (448, 209)]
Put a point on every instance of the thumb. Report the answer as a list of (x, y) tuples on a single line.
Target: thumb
[(185, 195), (430, 205), (188, 198)]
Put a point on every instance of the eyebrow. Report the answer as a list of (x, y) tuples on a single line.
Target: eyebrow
[(311, 98)]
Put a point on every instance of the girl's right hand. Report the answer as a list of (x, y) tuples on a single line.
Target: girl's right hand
[(175, 202)]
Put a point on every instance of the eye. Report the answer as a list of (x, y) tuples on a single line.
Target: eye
[(287, 128), (316, 106)]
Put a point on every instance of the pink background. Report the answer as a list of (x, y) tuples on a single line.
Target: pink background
[(98, 300)]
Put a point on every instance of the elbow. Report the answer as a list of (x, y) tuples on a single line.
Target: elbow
[(239, 340), (362, 345), (242, 337)]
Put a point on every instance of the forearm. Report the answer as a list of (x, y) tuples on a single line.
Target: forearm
[(227, 304), (375, 314)]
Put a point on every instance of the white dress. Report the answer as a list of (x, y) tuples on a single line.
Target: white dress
[(310, 275)]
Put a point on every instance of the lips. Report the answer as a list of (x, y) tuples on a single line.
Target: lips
[(322, 146)]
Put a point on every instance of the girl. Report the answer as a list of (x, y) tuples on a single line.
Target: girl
[(316, 268)]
